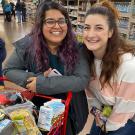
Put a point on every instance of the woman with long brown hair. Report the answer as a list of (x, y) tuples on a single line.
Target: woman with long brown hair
[(112, 66)]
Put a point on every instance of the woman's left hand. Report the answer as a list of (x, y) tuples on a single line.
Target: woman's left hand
[(98, 121), (31, 85)]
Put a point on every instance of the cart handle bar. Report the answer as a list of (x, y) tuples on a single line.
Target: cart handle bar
[(69, 95)]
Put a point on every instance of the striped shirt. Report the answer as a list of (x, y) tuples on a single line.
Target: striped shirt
[(121, 95)]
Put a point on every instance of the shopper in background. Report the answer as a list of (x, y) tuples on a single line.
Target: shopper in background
[(112, 66), (18, 8), (7, 11), (23, 11), (13, 8), (2, 55), (52, 45)]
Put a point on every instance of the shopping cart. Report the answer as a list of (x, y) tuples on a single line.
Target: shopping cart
[(59, 126)]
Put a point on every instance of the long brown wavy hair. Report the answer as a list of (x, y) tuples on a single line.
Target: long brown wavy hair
[(116, 47)]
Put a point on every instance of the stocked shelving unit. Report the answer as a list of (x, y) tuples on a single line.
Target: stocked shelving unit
[(78, 8), (127, 18), (31, 7), (72, 8)]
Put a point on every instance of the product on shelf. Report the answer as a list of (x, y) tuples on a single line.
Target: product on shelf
[(132, 31)]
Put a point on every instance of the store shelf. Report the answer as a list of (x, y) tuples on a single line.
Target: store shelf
[(122, 30), (82, 12), (73, 7), (132, 20), (74, 23), (72, 15), (125, 15), (126, 9)]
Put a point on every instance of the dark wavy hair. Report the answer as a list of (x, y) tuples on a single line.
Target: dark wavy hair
[(67, 52), (116, 45)]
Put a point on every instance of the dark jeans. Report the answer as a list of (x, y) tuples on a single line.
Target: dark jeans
[(1, 82), (8, 16), (13, 13), (23, 16), (128, 129)]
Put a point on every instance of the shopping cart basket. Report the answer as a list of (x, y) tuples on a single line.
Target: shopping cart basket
[(59, 126)]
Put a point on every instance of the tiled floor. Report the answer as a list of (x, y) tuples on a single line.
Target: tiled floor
[(15, 31)]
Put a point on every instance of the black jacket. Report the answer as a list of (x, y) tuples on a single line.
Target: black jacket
[(2, 56)]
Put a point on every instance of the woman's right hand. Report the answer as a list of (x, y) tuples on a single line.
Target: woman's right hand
[(47, 72)]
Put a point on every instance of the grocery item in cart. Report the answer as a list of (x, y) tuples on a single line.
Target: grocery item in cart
[(24, 122), (6, 127), (2, 114), (49, 113), (10, 97)]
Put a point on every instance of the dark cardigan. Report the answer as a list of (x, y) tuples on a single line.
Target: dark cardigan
[(2, 56)]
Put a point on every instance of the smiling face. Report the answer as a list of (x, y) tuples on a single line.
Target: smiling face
[(54, 34), (96, 34)]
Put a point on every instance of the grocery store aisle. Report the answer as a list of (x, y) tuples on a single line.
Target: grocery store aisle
[(15, 31)]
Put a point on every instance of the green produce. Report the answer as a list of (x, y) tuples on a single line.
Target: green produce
[(107, 111)]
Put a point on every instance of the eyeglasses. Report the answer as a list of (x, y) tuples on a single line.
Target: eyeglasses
[(51, 22)]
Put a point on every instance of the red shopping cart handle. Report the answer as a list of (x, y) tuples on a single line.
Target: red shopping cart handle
[(3, 78), (67, 101), (69, 96)]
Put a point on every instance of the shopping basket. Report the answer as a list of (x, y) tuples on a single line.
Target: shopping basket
[(59, 126)]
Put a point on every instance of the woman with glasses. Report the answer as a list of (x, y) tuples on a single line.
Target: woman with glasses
[(52, 45)]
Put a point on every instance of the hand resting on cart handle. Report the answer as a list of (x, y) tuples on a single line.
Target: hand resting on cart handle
[(31, 81), (31, 85)]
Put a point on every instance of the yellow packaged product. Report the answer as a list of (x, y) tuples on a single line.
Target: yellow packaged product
[(24, 122)]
